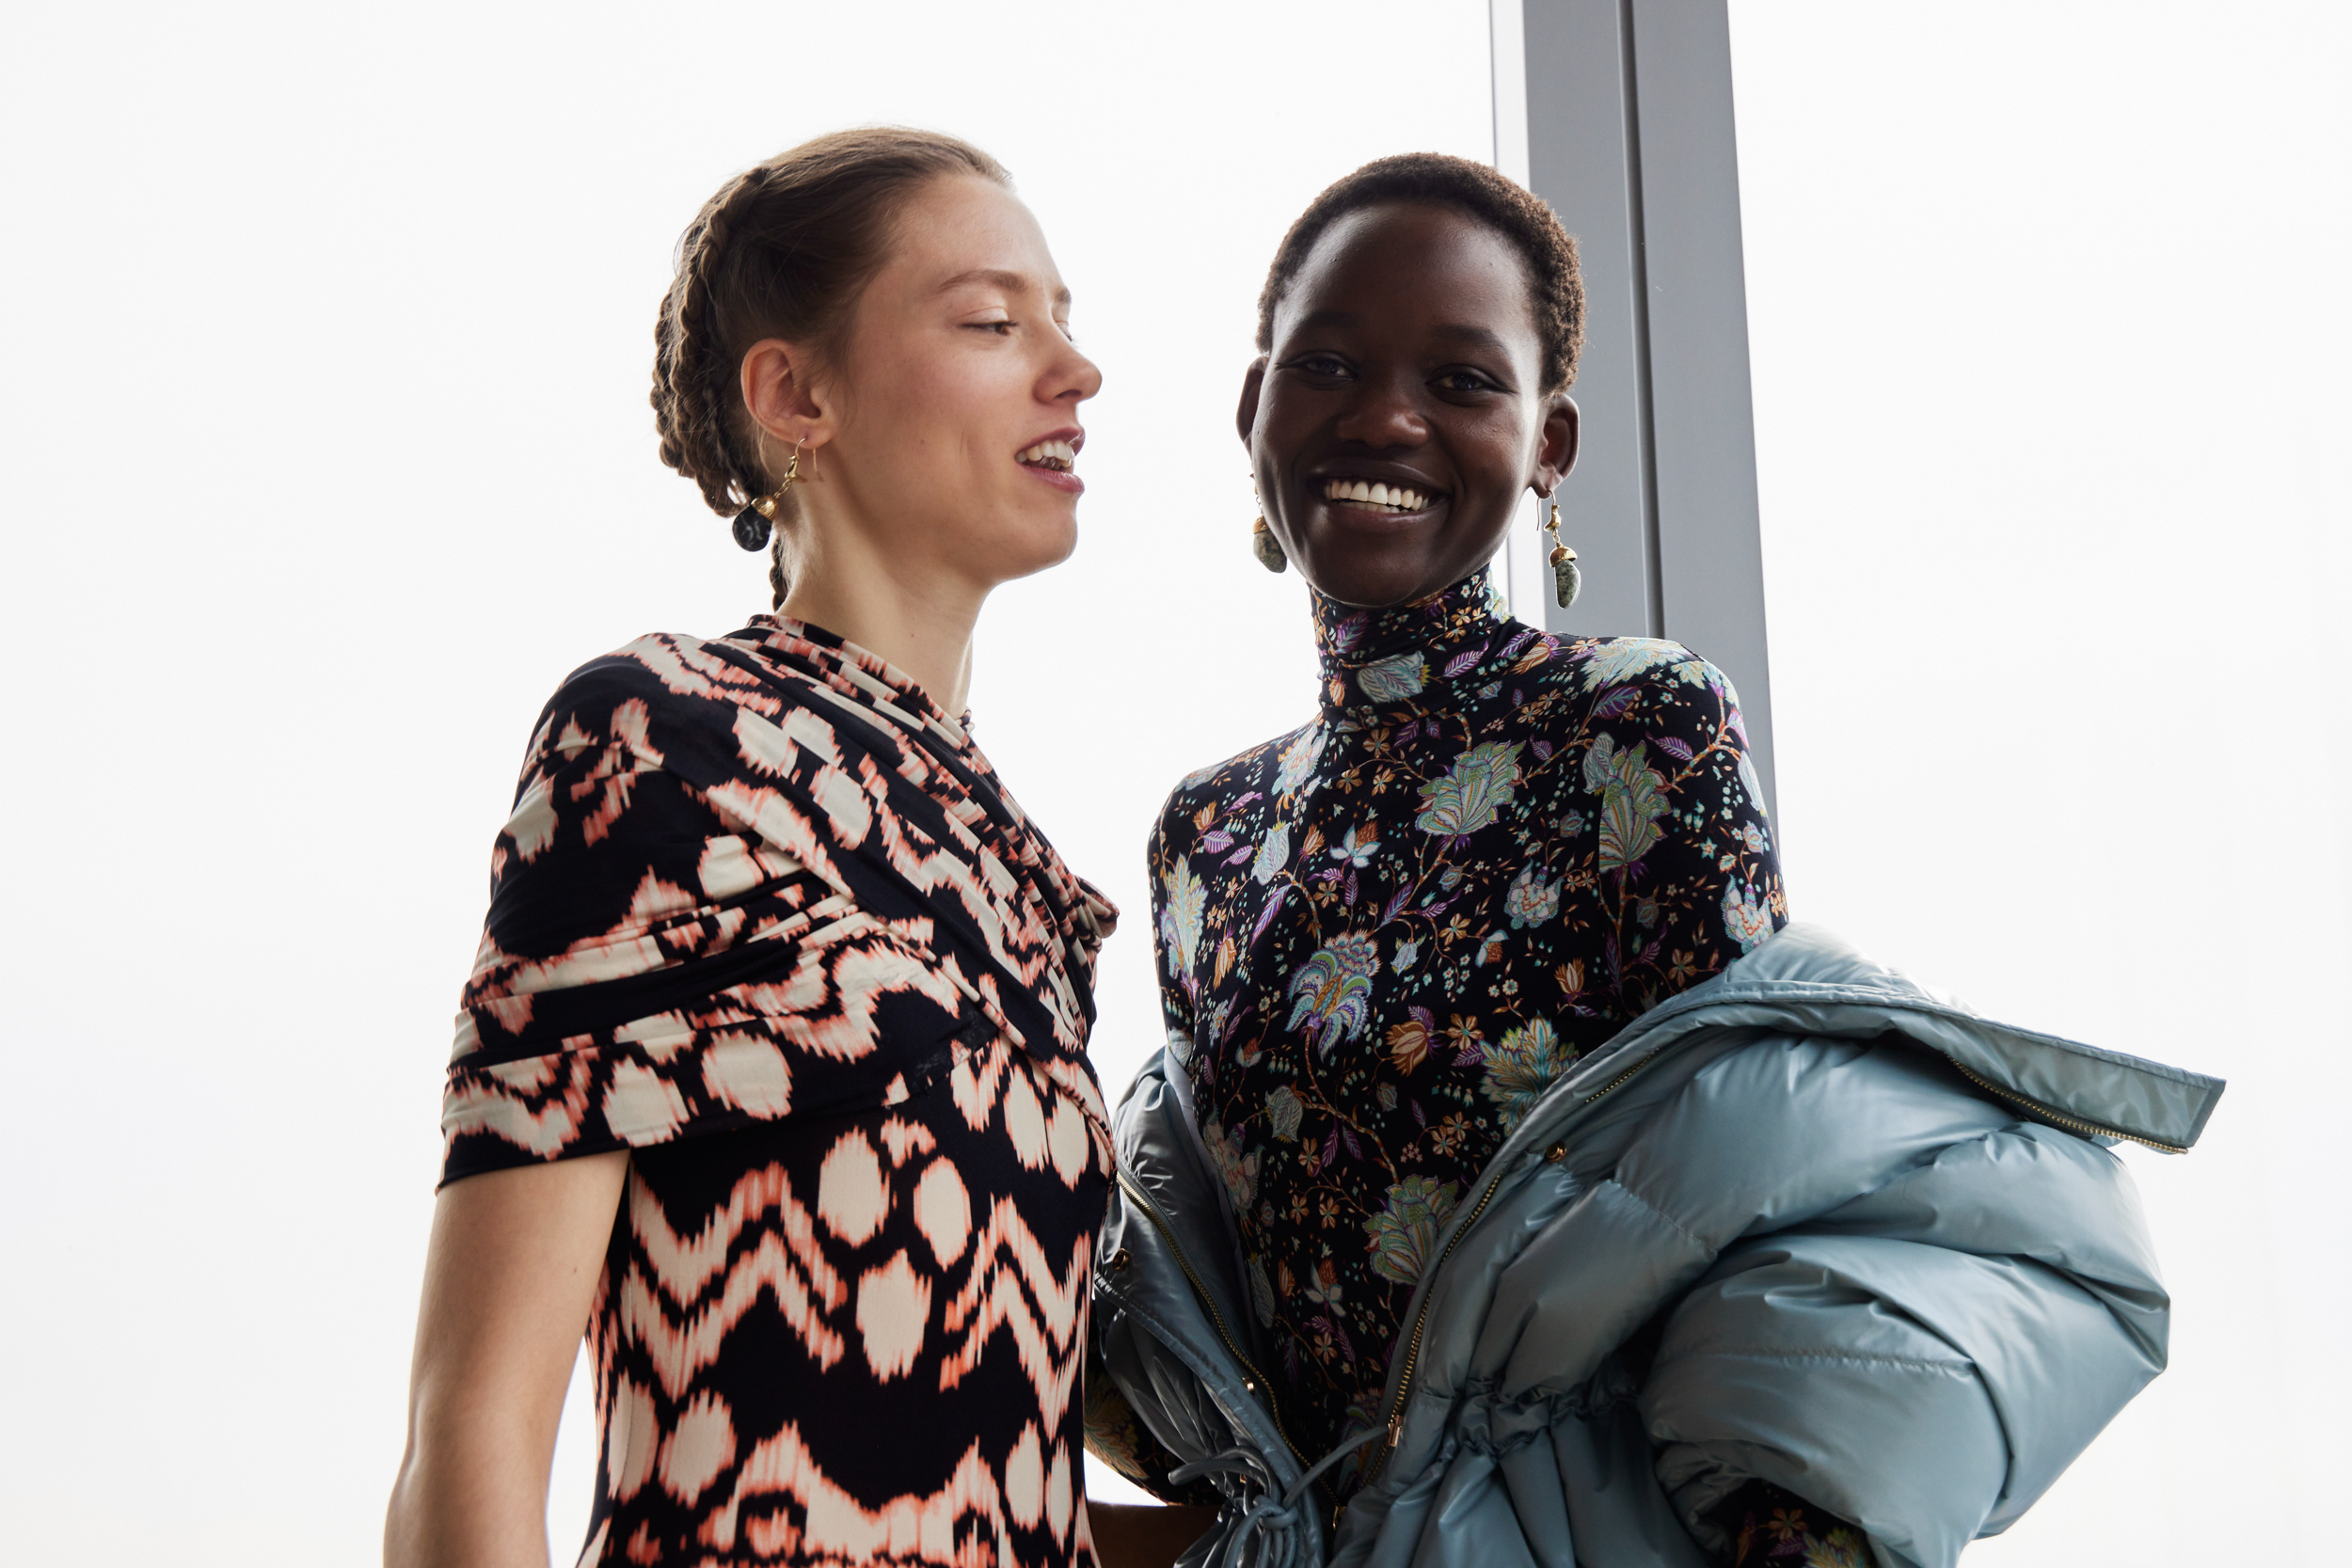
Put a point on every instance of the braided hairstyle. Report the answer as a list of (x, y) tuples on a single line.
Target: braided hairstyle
[(1435, 180), (783, 251)]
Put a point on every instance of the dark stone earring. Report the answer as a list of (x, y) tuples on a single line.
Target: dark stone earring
[(754, 524)]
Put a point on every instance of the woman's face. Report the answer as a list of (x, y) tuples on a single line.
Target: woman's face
[(1405, 357), (951, 416)]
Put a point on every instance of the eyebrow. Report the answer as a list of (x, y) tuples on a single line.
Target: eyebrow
[(1476, 337), (1012, 282), (1460, 332)]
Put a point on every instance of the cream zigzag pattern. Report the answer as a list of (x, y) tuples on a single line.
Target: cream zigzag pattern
[(1047, 1320), (1007, 1281), (833, 1529), (789, 1264)]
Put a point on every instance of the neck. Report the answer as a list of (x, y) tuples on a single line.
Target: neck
[(909, 611)]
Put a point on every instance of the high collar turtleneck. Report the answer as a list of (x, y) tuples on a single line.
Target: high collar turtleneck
[(1375, 657)]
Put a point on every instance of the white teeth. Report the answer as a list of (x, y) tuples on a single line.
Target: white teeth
[(1058, 455), (1393, 498)]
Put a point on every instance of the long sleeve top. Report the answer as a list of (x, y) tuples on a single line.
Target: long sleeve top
[(1383, 935)]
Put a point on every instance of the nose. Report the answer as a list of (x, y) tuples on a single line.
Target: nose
[(1071, 376), (1384, 414)]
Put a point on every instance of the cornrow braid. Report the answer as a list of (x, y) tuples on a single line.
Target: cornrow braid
[(1555, 282), (782, 250), (689, 409)]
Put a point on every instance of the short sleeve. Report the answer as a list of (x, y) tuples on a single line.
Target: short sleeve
[(652, 967), (1686, 848)]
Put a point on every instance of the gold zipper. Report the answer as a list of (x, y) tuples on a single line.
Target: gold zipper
[(2059, 1119), (1259, 1383)]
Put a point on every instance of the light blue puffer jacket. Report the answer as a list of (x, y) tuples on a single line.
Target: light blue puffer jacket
[(1806, 1222)]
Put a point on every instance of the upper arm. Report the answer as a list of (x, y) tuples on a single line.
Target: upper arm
[(1175, 890), (1688, 854), (511, 1273)]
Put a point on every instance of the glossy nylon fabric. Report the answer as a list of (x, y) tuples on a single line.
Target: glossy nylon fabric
[(1767, 1231)]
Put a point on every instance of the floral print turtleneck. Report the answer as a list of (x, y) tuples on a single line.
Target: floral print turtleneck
[(1383, 935)]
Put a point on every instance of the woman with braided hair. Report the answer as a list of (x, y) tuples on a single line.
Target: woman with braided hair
[(770, 1076)]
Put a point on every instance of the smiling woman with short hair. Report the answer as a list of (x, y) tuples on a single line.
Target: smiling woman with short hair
[(1383, 934), (1464, 1219)]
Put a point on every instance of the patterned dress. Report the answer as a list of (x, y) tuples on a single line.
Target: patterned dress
[(763, 917), (1382, 936)]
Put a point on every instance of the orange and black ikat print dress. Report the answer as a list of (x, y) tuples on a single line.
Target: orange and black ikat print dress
[(764, 918)]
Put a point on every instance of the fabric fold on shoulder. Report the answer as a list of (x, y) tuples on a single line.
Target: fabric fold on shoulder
[(751, 878)]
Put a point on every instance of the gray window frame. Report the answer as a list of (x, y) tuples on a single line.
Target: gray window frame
[(1619, 113)]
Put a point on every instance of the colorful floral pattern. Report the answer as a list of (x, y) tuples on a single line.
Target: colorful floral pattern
[(1770, 1528), (1383, 936), (763, 917)]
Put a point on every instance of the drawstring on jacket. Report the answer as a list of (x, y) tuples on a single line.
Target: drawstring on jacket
[(1277, 1522)]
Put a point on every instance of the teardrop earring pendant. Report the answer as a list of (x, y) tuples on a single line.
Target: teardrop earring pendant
[(753, 523), (1267, 548), (1566, 581)]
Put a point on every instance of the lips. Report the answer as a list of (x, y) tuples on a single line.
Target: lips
[(1053, 459)]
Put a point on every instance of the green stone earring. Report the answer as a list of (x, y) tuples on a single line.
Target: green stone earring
[(1566, 581), (1261, 541)]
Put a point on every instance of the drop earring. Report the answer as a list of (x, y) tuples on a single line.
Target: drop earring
[(1566, 581), (755, 521), (1263, 542)]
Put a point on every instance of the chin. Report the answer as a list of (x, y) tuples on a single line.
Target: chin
[(1370, 584), (1030, 545)]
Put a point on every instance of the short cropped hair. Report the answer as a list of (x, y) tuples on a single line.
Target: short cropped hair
[(1436, 179)]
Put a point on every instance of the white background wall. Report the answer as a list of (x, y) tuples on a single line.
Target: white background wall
[(2050, 340), (324, 454)]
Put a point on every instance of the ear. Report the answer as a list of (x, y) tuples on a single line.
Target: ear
[(779, 389), (1252, 382), (1555, 454)]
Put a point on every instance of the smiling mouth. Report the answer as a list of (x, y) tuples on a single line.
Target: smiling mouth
[(1389, 500), (1056, 456)]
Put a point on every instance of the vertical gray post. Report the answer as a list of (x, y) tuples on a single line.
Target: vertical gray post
[(1628, 136)]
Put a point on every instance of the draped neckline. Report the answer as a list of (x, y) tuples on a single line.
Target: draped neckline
[(1072, 907), (1460, 636), (855, 671)]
